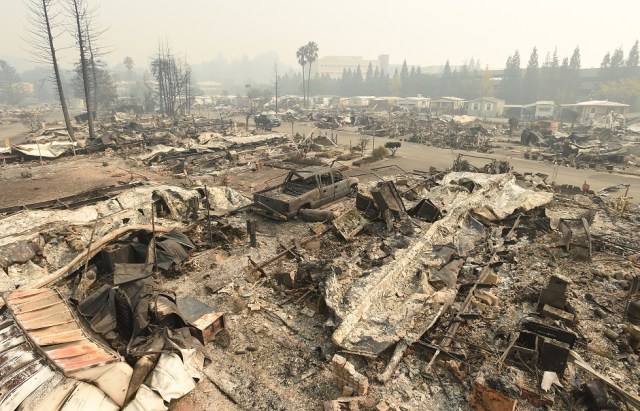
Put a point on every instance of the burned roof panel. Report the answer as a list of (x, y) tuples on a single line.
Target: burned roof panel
[(46, 319)]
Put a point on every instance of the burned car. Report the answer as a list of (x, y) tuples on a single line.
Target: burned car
[(307, 188), (267, 121)]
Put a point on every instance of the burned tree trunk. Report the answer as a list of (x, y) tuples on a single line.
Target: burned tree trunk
[(78, 12), (93, 71), (41, 42)]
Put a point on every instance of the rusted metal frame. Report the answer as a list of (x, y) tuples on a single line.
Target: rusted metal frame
[(404, 344), (262, 265), (457, 320)]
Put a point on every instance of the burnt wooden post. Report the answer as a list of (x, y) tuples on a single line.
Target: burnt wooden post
[(206, 199), (153, 233), (251, 230)]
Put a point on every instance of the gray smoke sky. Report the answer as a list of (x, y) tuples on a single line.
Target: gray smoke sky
[(425, 32)]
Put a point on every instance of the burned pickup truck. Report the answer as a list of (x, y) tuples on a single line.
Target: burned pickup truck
[(307, 188)]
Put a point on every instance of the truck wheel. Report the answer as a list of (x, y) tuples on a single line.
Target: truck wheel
[(353, 191), (303, 207)]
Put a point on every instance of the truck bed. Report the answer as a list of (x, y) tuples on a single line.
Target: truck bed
[(285, 193)]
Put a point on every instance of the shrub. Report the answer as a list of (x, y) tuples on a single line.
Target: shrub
[(380, 152)]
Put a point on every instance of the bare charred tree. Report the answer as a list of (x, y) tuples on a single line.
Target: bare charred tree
[(92, 61), (43, 29), (32, 120), (171, 82), (187, 89), (79, 13)]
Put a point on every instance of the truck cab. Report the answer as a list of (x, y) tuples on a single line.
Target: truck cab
[(307, 188)]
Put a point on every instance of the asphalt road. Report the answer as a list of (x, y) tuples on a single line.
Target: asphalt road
[(413, 156)]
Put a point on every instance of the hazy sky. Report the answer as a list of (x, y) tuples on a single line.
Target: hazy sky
[(425, 32)]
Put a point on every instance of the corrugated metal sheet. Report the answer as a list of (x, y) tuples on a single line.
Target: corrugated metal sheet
[(47, 321), (18, 385), (22, 370), (27, 382)]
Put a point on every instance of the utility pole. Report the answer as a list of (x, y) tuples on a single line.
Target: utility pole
[(275, 69)]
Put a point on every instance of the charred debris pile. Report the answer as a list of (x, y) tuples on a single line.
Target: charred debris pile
[(434, 290), (605, 144)]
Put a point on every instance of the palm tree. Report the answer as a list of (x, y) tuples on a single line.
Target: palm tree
[(301, 54), (312, 56), (128, 63)]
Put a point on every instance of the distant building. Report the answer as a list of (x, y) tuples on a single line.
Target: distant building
[(587, 111), (484, 107), (382, 103), (447, 105), (325, 100), (335, 65), (210, 88), (539, 109), (359, 101), (418, 102), (532, 111), (23, 88)]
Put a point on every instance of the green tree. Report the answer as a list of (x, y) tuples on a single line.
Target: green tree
[(395, 87), (634, 56), (617, 59), (532, 78), (606, 61), (563, 90), (8, 78), (486, 86), (369, 76), (404, 73), (626, 90), (574, 63), (511, 84), (358, 81), (105, 92), (446, 84)]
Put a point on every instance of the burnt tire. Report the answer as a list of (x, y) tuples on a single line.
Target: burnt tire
[(353, 191)]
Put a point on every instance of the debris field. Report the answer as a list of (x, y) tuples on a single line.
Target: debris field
[(199, 265)]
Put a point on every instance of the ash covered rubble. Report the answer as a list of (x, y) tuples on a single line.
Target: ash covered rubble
[(124, 132), (86, 323), (607, 143), (436, 290), (483, 291)]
